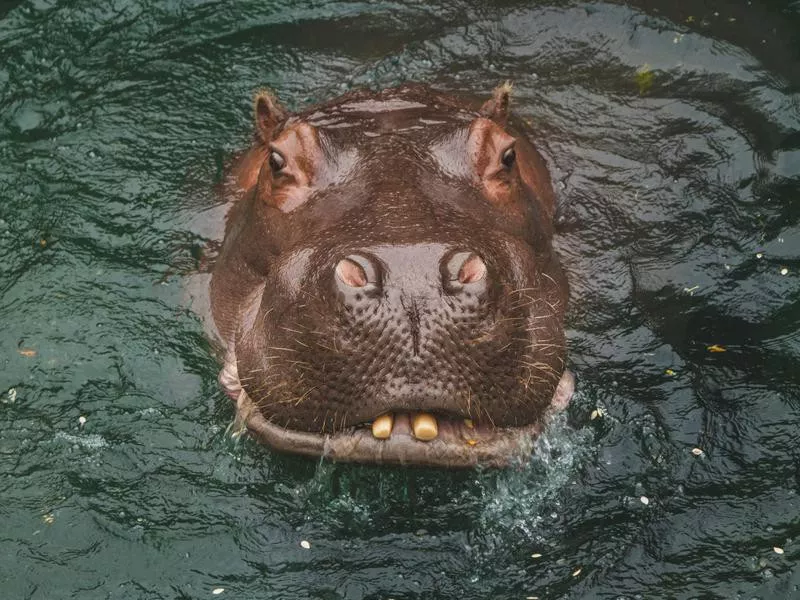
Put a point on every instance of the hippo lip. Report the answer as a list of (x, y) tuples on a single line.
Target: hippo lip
[(456, 446)]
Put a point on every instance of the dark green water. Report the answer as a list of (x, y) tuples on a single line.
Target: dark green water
[(673, 133)]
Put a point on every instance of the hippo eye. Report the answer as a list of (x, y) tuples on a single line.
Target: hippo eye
[(276, 161), (508, 158)]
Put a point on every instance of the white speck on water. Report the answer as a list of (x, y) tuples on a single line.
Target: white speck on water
[(697, 451), (759, 255), (217, 591), (305, 544), (777, 550), (82, 420), (784, 271), (11, 396), (644, 500)]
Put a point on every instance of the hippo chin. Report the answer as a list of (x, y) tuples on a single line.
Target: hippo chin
[(387, 291)]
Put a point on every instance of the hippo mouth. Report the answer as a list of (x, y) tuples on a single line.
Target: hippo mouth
[(401, 437)]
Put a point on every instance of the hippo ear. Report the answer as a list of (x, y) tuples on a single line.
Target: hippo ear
[(496, 108), (268, 114)]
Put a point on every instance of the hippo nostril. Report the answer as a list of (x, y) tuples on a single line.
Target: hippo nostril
[(358, 271), (351, 273), (473, 269), (462, 268)]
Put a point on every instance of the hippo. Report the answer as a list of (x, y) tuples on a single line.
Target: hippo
[(386, 290)]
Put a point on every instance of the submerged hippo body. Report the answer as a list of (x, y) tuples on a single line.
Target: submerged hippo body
[(387, 290)]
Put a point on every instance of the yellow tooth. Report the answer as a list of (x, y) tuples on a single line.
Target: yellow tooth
[(382, 426), (469, 424), (425, 427)]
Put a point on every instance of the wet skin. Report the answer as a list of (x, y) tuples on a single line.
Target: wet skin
[(387, 290)]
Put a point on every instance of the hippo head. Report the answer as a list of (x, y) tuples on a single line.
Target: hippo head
[(387, 291)]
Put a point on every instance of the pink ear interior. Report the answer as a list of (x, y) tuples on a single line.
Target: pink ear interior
[(473, 269)]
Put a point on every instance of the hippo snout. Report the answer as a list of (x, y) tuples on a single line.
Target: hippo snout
[(387, 290)]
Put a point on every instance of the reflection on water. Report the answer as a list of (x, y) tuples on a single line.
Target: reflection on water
[(673, 134)]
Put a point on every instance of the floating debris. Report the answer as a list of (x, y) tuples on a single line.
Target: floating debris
[(536, 555), (716, 348), (27, 352), (669, 372), (644, 500), (217, 591), (691, 290), (305, 544), (784, 271), (596, 413), (82, 420), (697, 451), (11, 396), (777, 550), (759, 255), (49, 518), (644, 79), (577, 571)]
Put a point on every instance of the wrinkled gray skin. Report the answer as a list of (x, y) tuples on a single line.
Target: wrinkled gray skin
[(391, 252)]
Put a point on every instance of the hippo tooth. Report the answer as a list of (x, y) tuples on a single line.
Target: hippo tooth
[(382, 426), (425, 427)]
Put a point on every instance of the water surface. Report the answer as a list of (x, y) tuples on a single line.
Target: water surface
[(673, 134)]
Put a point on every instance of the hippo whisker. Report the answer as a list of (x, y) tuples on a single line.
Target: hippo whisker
[(524, 289), (283, 349), (548, 276), (292, 330), (541, 367), (305, 395), (536, 346), (487, 413)]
